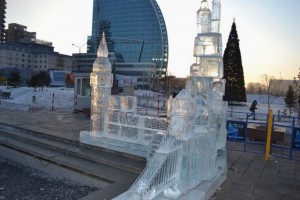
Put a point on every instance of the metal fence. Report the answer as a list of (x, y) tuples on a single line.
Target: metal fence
[(246, 132)]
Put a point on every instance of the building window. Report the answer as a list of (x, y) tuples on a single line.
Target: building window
[(78, 88), (83, 87)]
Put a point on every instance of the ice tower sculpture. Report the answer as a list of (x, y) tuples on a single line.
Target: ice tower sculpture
[(101, 82), (190, 161), (115, 124)]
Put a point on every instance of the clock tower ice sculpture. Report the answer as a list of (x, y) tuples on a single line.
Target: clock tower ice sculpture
[(101, 82)]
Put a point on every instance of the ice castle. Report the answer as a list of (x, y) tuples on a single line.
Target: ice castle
[(186, 155)]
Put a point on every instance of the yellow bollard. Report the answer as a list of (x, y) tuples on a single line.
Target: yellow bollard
[(268, 141)]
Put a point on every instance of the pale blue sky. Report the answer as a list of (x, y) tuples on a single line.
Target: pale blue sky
[(269, 30)]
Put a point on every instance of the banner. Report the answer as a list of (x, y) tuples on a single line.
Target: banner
[(236, 130)]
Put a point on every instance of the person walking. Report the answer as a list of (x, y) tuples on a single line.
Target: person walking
[(253, 108)]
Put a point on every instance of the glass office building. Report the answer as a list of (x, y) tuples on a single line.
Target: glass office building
[(135, 31)]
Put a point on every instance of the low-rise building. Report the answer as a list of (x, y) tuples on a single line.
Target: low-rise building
[(280, 87)]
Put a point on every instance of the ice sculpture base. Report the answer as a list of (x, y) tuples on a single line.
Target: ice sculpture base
[(112, 144), (204, 190)]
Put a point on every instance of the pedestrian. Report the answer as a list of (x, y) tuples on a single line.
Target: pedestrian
[(253, 108)]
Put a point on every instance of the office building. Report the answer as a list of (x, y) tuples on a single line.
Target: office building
[(135, 32), (30, 57), (19, 33), (24, 52)]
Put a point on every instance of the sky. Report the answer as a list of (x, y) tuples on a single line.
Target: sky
[(268, 31)]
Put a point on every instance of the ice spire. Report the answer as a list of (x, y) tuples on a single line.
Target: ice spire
[(102, 60), (102, 51), (204, 18), (216, 15)]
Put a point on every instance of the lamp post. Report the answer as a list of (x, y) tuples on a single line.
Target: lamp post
[(79, 51), (79, 47)]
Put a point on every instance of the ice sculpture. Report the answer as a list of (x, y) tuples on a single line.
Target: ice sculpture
[(186, 154), (101, 83), (114, 120), (188, 162)]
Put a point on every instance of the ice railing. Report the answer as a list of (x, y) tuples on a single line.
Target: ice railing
[(162, 171), (124, 124), (162, 175)]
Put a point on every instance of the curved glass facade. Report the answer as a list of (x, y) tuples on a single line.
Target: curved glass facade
[(135, 30)]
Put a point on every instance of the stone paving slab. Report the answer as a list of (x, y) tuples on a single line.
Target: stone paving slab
[(63, 124), (249, 176)]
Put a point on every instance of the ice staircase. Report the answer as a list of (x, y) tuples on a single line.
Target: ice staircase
[(160, 172)]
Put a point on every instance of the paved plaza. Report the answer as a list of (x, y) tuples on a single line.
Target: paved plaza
[(249, 176)]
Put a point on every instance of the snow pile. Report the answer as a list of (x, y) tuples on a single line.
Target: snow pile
[(263, 99), (276, 104), (22, 99), (59, 98)]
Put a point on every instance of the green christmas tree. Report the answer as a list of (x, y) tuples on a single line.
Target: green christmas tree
[(290, 98), (233, 69)]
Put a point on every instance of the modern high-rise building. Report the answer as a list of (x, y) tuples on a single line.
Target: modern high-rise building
[(2, 19), (135, 31)]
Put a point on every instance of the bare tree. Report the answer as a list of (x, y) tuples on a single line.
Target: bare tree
[(250, 88), (268, 81)]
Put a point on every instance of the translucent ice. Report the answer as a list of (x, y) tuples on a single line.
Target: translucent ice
[(184, 152)]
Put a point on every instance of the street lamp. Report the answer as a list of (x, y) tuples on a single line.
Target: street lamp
[(79, 50), (79, 47)]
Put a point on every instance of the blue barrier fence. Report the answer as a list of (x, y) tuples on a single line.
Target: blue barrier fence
[(251, 132)]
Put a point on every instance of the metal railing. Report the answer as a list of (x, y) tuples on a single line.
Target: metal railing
[(245, 133)]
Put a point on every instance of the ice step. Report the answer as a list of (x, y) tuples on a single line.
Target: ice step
[(71, 148), (102, 172)]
